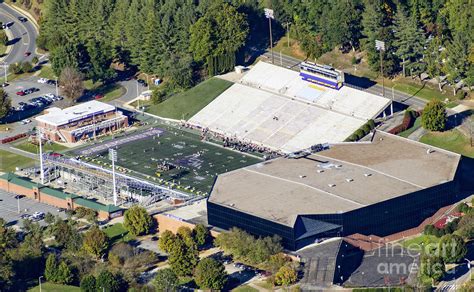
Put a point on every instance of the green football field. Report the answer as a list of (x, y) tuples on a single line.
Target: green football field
[(193, 164)]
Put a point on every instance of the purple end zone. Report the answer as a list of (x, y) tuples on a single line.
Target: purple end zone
[(120, 141)]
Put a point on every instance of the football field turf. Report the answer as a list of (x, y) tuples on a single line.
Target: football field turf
[(193, 164)]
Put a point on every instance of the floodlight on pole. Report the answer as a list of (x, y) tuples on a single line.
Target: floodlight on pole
[(270, 16), (5, 68), (380, 46), (113, 158)]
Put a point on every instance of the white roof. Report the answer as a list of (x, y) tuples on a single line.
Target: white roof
[(272, 106), (58, 117)]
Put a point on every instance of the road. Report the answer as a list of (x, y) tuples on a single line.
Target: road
[(354, 81), (24, 35)]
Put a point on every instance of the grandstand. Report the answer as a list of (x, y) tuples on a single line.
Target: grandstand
[(274, 107)]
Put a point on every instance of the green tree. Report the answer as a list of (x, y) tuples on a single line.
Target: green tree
[(3, 37), (95, 242), (409, 40), (51, 269), (49, 218), (201, 234), (88, 284), (5, 103), (137, 221), (222, 29), (64, 56), (182, 258), (286, 276), (64, 275), (210, 274), (433, 60), (452, 248), (432, 267), (100, 60), (7, 242), (15, 68), (166, 241), (434, 116), (186, 234), (26, 67), (107, 281), (166, 280), (157, 95), (456, 55)]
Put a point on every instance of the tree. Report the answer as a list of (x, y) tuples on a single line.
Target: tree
[(157, 95), (107, 281), (71, 83), (7, 241), (63, 274), (433, 60), (432, 267), (51, 269), (64, 56), (26, 67), (88, 284), (166, 241), (452, 248), (222, 29), (210, 274), (137, 220), (286, 276), (186, 234), (182, 258), (15, 68), (3, 37), (166, 280), (62, 231), (434, 116), (466, 226), (409, 39), (49, 218), (5, 103), (95, 242), (201, 234), (456, 55)]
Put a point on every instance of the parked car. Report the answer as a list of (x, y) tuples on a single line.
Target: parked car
[(18, 197), (25, 122), (22, 19), (26, 54), (25, 216), (4, 84), (142, 82), (20, 93), (42, 80), (98, 96)]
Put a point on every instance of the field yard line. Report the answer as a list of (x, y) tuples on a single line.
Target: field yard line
[(243, 153)]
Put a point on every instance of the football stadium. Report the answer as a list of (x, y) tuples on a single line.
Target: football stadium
[(379, 188), (277, 108), (169, 156)]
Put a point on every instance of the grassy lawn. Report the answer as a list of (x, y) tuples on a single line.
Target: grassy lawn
[(418, 90), (293, 50), (50, 287), (450, 140), (3, 48), (419, 243), (47, 72), (265, 285), (32, 148), (111, 92), (184, 105), (8, 161), (117, 233), (409, 131), (245, 288)]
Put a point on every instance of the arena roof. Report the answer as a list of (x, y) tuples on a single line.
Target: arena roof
[(59, 117), (272, 106), (346, 177)]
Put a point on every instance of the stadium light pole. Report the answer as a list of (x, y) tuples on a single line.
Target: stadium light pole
[(380, 46), (288, 31), (269, 15), (57, 89), (41, 156), (113, 157)]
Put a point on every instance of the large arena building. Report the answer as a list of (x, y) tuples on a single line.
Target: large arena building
[(275, 107), (81, 121), (372, 188)]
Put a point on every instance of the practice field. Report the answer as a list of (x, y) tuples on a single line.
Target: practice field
[(171, 157)]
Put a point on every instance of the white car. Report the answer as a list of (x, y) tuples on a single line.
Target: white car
[(42, 80), (24, 122)]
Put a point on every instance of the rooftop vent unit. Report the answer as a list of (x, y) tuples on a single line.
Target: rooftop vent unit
[(232, 205), (302, 176), (429, 151), (338, 166), (367, 174), (331, 185), (349, 179), (320, 170)]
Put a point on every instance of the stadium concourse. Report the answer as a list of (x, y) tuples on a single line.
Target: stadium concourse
[(274, 107)]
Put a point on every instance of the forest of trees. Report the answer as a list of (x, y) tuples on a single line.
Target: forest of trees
[(183, 40)]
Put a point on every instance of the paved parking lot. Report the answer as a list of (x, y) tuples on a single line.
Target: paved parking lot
[(9, 208)]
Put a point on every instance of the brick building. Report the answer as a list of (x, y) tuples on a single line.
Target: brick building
[(81, 121)]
